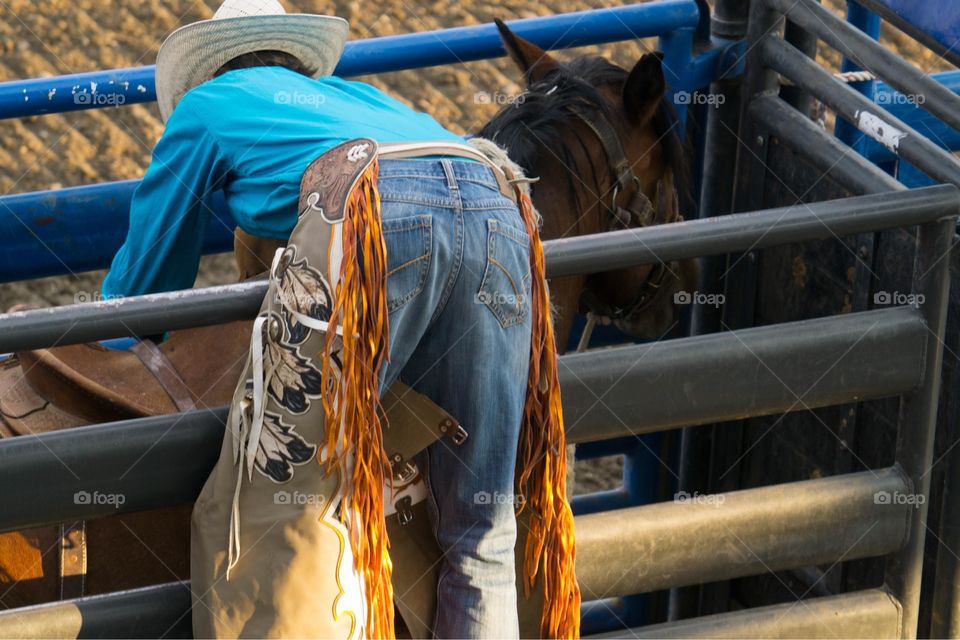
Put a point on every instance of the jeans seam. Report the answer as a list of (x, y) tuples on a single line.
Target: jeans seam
[(451, 177), (427, 202), (491, 205), (432, 502), (457, 262)]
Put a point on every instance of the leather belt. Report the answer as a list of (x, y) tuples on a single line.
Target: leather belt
[(395, 150)]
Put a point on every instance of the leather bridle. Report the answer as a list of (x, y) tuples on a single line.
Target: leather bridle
[(640, 211)]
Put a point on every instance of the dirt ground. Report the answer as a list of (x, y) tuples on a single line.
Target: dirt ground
[(55, 37)]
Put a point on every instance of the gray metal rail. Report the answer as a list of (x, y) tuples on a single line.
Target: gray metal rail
[(143, 460), (873, 614), (858, 46), (882, 126), (153, 314), (766, 370), (828, 154), (740, 533), (749, 231), (162, 611), (662, 385)]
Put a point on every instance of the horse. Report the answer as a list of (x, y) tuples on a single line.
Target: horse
[(604, 145)]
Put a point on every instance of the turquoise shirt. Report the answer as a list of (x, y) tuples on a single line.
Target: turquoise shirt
[(251, 133)]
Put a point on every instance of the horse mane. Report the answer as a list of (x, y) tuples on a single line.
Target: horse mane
[(541, 117)]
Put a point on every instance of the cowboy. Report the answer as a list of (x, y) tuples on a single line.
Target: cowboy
[(249, 101)]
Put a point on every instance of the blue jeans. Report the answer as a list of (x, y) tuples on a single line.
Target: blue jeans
[(459, 300)]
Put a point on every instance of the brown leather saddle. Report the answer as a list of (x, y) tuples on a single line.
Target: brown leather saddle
[(70, 386), (62, 387)]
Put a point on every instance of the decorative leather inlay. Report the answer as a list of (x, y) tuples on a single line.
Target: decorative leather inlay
[(328, 180)]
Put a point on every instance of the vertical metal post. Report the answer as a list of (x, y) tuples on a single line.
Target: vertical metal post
[(642, 466), (867, 248), (806, 43), (728, 23), (741, 270), (751, 168), (716, 196), (918, 415), (945, 620)]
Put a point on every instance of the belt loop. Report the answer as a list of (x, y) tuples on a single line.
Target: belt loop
[(448, 171)]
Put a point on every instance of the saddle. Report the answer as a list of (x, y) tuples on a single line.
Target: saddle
[(61, 387)]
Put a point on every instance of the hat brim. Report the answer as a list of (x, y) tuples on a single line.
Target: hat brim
[(193, 53)]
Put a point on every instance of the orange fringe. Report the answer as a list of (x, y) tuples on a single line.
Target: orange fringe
[(353, 400), (542, 462)]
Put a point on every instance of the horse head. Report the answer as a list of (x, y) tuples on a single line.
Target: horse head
[(606, 147)]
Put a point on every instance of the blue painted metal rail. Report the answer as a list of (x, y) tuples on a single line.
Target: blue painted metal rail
[(374, 55), (935, 23)]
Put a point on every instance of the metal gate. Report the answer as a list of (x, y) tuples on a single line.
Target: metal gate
[(784, 157)]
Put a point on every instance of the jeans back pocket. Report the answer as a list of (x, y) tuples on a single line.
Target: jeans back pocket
[(505, 288), (408, 241)]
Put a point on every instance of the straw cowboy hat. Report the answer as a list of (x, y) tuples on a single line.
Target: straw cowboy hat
[(193, 53)]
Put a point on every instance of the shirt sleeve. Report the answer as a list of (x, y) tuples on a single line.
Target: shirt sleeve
[(170, 211)]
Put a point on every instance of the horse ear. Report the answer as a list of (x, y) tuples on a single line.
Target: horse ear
[(532, 60), (644, 88)]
